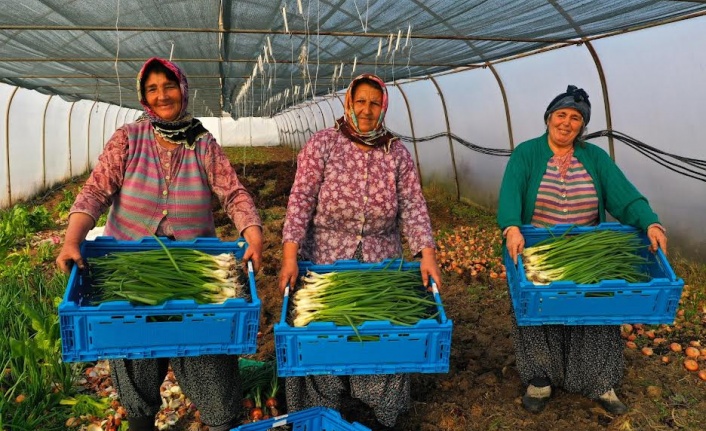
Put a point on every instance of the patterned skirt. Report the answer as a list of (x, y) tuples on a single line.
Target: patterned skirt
[(580, 359)]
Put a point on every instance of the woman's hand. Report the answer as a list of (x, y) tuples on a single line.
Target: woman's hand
[(657, 237), (429, 267), (70, 253), (253, 235), (79, 225), (515, 242), (289, 272)]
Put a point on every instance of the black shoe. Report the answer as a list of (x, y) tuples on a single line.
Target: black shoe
[(610, 402), (534, 404), (536, 397)]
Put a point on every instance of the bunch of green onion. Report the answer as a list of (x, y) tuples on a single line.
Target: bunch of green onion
[(586, 258), (353, 297), (151, 277)]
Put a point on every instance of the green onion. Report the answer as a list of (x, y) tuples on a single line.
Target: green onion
[(353, 297), (586, 258), (151, 277)]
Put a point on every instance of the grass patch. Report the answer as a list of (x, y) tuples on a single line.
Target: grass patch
[(257, 155), (273, 214)]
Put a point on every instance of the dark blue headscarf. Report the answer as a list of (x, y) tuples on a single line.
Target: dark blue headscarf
[(574, 98)]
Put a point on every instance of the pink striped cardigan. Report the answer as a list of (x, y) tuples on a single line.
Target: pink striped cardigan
[(145, 199)]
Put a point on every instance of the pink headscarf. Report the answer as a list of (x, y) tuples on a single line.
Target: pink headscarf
[(348, 124), (185, 129)]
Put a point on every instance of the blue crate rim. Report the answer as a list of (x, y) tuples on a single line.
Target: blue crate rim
[(663, 285), (339, 265), (297, 418), (73, 316)]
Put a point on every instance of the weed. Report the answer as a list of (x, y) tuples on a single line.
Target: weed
[(45, 252), (17, 223), (17, 265), (63, 207)]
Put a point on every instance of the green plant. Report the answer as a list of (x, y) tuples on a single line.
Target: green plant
[(39, 219), (17, 265), (17, 223), (45, 252), (34, 378), (102, 219), (65, 204)]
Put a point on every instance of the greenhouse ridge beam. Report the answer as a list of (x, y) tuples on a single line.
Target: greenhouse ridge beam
[(107, 84), (205, 60), (282, 32)]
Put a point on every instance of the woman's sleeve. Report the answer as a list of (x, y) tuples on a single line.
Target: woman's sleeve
[(305, 190), (512, 192), (106, 179), (622, 199), (233, 196), (413, 212)]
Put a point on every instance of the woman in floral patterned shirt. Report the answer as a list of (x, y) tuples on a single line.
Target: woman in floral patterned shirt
[(356, 192)]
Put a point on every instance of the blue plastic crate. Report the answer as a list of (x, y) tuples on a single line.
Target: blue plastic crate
[(606, 303), (325, 348), (313, 419), (118, 329)]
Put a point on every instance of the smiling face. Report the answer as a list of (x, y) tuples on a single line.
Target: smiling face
[(563, 125), (367, 105), (163, 96)]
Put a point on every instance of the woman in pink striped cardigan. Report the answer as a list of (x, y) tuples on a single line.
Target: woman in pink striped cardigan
[(157, 176)]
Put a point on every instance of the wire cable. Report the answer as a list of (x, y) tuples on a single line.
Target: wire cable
[(687, 166)]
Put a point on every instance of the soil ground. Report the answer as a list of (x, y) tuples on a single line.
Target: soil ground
[(482, 389)]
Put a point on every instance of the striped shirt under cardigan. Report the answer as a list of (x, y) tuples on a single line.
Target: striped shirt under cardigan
[(568, 200)]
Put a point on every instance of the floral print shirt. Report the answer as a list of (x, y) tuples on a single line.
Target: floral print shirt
[(107, 177), (343, 196)]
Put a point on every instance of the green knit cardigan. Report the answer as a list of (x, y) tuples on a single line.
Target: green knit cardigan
[(527, 165)]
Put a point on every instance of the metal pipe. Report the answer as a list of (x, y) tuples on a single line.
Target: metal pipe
[(88, 138), (448, 134), (599, 68), (414, 137), (7, 146), (279, 132), (44, 143), (333, 113), (506, 105), (206, 60), (290, 129), (606, 97), (291, 32), (71, 169), (299, 117), (323, 120)]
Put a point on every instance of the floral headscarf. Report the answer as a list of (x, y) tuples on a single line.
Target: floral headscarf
[(185, 129), (348, 124)]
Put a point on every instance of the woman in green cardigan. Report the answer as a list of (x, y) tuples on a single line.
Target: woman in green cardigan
[(559, 179)]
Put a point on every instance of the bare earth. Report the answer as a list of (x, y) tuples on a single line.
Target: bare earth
[(482, 390)]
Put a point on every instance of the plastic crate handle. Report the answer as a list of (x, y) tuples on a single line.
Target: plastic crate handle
[(285, 305), (435, 291)]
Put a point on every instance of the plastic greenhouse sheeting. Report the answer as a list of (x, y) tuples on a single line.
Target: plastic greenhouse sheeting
[(257, 57)]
